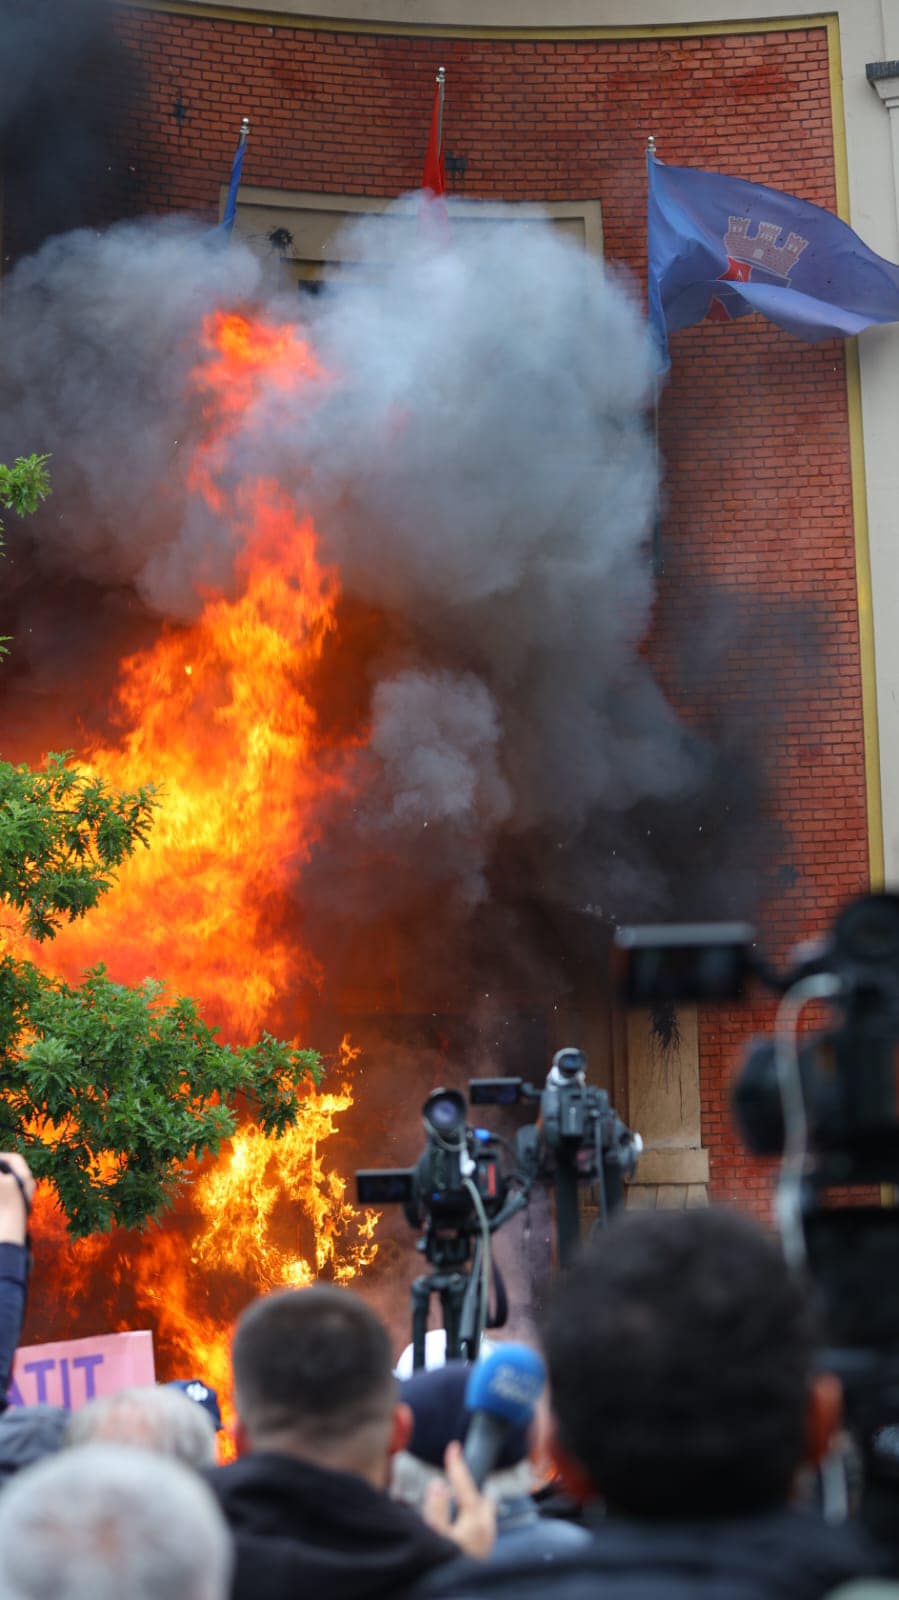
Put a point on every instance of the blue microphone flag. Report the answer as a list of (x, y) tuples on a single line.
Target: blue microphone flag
[(507, 1383)]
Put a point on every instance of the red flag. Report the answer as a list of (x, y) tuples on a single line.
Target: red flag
[(433, 220), (435, 171)]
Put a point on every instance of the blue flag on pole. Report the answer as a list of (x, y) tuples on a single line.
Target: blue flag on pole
[(720, 247), (230, 212)]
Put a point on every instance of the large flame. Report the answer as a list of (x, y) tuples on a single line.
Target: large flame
[(218, 715)]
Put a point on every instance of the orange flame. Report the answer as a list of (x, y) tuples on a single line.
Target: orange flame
[(220, 716)]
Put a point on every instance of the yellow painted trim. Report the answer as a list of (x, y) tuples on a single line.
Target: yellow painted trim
[(867, 659), (838, 116), (440, 30)]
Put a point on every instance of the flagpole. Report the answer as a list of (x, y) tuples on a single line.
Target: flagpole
[(243, 136), (230, 211), (441, 91), (658, 562)]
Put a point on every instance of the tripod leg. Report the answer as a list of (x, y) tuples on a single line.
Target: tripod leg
[(608, 1171), (614, 1188), (568, 1222), (470, 1309), (421, 1300), (451, 1301)]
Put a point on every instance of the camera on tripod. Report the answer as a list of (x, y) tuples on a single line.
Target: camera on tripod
[(829, 1108), (457, 1195), (577, 1138), (457, 1173)]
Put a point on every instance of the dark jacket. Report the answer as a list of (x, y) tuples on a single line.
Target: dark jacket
[(303, 1530), (27, 1434), (13, 1283), (786, 1555)]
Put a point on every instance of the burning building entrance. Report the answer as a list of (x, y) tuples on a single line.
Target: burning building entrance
[(386, 576)]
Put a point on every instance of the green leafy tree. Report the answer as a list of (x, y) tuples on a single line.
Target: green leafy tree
[(62, 835), (22, 488), (24, 485), (109, 1091)]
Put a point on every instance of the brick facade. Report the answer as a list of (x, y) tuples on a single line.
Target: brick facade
[(754, 425)]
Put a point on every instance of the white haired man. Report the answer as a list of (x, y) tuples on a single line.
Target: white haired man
[(109, 1522), (158, 1418)]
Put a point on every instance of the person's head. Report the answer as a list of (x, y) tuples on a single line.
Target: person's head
[(27, 1434), (313, 1377), (679, 1349), (100, 1522), (436, 1398), (201, 1394), (161, 1419)]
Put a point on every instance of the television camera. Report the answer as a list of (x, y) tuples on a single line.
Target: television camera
[(577, 1138), (828, 1106), (457, 1194)]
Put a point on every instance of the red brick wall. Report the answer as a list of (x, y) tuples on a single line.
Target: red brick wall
[(756, 442), (754, 426), (350, 112)]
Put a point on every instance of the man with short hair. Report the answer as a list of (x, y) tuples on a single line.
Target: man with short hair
[(318, 1420), (685, 1403), (680, 1360), (111, 1523)]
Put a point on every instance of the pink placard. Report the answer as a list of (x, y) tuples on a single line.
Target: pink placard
[(73, 1371)]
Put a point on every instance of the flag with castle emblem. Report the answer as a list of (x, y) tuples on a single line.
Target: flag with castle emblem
[(720, 247)]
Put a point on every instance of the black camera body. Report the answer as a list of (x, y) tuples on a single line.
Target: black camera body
[(577, 1138), (457, 1195), (575, 1120), (849, 1082), (436, 1194), (828, 1105)]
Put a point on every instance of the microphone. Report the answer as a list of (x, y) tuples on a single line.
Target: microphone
[(502, 1391)]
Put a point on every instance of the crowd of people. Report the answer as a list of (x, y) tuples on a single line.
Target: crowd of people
[(684, 1420)]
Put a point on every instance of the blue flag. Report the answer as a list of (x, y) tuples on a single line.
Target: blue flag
[(720, 247), (227, 222)]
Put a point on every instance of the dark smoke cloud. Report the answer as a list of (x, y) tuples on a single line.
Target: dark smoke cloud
[(68, 87), (482, 474)]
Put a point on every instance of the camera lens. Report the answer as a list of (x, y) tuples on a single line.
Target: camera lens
[(444, 1111), (570, 1062), (868, 930)]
